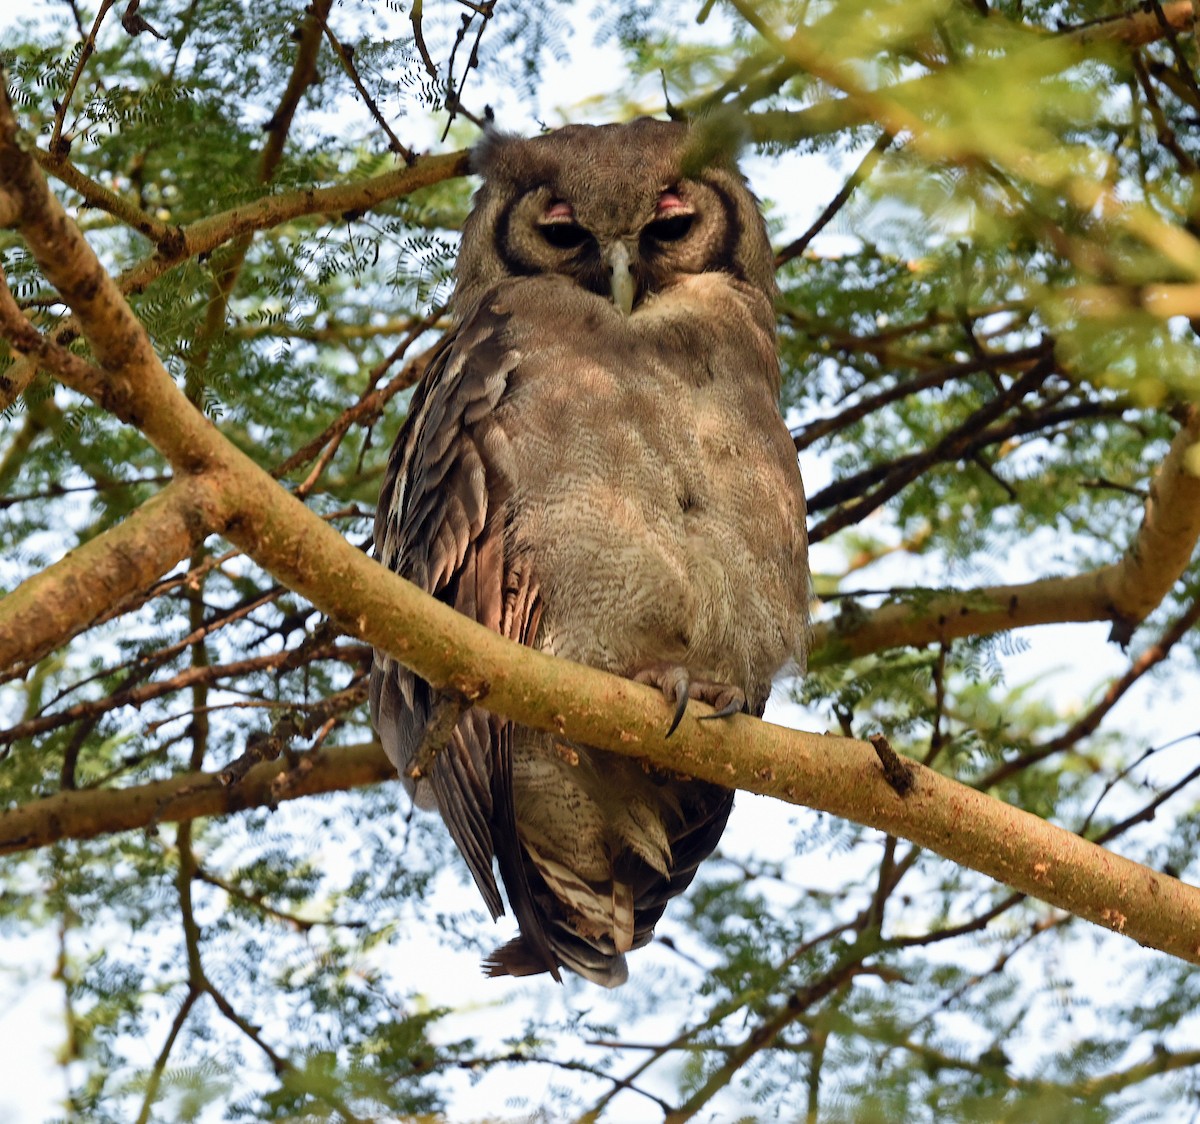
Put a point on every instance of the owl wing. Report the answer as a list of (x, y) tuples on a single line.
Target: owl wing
[(441, 524)]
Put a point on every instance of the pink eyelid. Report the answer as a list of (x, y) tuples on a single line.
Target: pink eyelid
[(560, 210), (668, 201)]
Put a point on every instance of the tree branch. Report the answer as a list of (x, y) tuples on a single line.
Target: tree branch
[(1124, 592), (1130, 29), (1090, 720), (87, 813), (949, 447), (160, 1063), (865, 167), (1021, 359), (14, 381), (767, 1031), (345, 56), (205, 235), (838, 775), (51, 607), (285, 660), (98, 196), (57, 144), (229, 269)]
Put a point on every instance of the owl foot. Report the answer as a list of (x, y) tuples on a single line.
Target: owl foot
[(678, 686)]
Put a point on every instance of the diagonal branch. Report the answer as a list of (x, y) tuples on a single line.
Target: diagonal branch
[(1090, 721), (57, 144), (864, 169), (137, 695), (97, 196), (206, 234), (1129, 29), (451, 652), (225, 279), (345, 56), (67, 598), (1019, 359), (765, 1034), (160, 1063), (951, 446)]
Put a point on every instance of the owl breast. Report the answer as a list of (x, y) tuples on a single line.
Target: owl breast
[(662, 505)]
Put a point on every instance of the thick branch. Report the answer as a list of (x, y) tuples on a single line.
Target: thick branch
[(837, 775), (86, 813), (206, 235), (1124, 592), (65, 599), (303, 75)]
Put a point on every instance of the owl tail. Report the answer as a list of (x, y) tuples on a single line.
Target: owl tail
[(622, 915), (520, 958), (595, 912)]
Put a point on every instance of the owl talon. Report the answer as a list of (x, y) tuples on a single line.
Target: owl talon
[(678, 686), (681, 701), (736, 705)]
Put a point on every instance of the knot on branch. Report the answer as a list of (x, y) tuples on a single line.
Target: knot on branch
[(896, 771)]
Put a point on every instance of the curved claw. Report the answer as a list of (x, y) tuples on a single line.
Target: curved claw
[(678, 686), (732, 707), (681, 701)]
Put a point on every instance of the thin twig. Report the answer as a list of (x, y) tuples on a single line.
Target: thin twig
[(1090, 721), (160, 1063), (58, 146), (346, 58), (419, 38), (1020, 359), (951, 446), (372, 400), (865, 167)]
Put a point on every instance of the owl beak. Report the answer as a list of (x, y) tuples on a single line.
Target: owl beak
[(617, 258)]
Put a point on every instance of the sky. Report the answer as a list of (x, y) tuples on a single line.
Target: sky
[(1064, 662)]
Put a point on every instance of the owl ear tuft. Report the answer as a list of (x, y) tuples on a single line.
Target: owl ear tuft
[(715, 138), (489, 149)]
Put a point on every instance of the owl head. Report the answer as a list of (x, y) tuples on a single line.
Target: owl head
[(622, 210)]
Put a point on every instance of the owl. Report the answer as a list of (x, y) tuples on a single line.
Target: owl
[(595, 465)]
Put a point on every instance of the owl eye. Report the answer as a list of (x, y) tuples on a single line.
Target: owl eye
[(564, 235), (670, 229)]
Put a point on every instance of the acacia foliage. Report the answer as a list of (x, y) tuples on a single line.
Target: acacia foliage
[(992, 375)]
